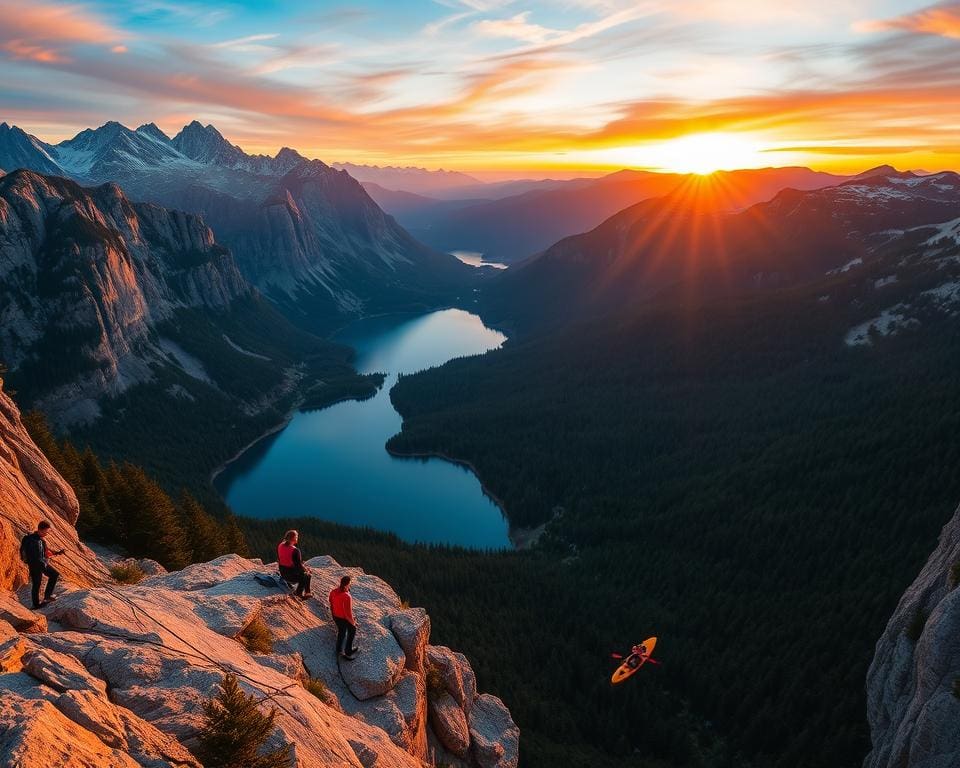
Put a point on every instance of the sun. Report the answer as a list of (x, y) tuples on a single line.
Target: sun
[(704, 153)]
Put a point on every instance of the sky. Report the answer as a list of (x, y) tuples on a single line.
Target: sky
[(504, 87)]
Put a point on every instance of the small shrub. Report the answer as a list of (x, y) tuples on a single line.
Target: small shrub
[(256, 636), (235, 730), (127, 573), (317, 688), (954, 578), (435, 682), (915, 627), (404, 605)]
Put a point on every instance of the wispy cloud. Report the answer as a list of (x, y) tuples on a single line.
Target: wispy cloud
[(46, 33), (942, 20)]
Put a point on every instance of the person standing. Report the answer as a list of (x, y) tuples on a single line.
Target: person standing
[(290, 562), (341, 607), (34, 552)]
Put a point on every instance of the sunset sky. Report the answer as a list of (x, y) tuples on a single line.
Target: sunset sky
[(495, 85)]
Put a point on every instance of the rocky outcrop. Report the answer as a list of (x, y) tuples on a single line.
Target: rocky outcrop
[(30, 491), (113, 675), (913, 685)]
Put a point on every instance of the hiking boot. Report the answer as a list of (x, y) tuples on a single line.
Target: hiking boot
[(348, 656)]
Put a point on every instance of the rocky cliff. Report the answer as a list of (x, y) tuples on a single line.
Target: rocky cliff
[(113, 675), (913, 685), (85, 277)]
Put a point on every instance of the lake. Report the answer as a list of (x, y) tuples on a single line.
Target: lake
[(332, 463), (475, 259)]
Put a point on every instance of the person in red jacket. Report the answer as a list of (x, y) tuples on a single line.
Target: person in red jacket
[(341, 607), (291, 565)]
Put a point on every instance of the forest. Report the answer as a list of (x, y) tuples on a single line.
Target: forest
[(733, 479)]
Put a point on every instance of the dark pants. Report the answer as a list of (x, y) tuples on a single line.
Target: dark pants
[(345, 634), (37, 572), (300, 577)]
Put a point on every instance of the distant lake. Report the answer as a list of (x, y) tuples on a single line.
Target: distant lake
[(332, 463), (475, 259)]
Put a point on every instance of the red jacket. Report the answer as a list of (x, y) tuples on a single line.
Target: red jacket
[(341, 605)]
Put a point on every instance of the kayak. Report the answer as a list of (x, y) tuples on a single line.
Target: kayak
[(633, 662)]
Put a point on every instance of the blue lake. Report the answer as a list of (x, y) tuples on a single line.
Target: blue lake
[(333, 464)]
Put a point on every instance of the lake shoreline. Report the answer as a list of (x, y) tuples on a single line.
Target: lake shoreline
[(442, 339), (521, 538)]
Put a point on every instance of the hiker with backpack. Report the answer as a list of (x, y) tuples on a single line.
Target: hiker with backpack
[(341, 607), (34, 552), (290, 562)]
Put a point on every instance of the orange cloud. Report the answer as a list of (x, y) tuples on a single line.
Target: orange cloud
[(941, 20), (43, 33)]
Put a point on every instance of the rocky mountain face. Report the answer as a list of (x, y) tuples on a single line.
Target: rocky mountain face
[(86, 276), (114, 675), (913, 685), (31, 490), (683, 247), (304, 233)]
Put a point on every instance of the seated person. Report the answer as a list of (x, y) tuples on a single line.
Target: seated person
[(291, 564)]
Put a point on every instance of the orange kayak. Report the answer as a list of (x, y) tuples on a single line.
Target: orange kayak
[(634, 662)]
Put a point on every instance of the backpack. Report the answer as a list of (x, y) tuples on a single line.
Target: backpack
[(23, 550)]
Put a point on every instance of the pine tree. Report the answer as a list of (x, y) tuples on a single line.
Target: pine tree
[(206, 537), (236, 539), (152, 527), (235, 730)]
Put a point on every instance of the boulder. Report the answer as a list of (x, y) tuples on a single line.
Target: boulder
[(204, 575), (411, 627), (78, 728), (61, 672), (12, 648), (401, 713), (494, 738), (457, 674), (912, 707), (19, 617), (449, 723), (35, 733)]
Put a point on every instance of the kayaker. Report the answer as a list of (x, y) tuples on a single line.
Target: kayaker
[(341, 608), (290, 562)]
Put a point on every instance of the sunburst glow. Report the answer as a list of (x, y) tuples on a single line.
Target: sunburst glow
[(704, 153)]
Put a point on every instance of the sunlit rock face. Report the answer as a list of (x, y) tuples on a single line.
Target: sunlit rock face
[(30, 491), (913, 685), (113, 675)]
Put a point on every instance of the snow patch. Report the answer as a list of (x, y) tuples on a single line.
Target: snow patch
[(948, 293), (190, 364), (846, 267), (888, 322), (243, 351), (949, 230), (889, 280)]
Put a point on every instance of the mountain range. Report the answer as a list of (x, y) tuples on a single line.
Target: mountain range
[(689, 242), (307, 235), (533, 216)]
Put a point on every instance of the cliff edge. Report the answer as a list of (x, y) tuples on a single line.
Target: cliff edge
[(913, 684), (118, 676)]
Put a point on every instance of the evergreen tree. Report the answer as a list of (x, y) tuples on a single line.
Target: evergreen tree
[(151, 525), (235, 731), (207, 538)]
